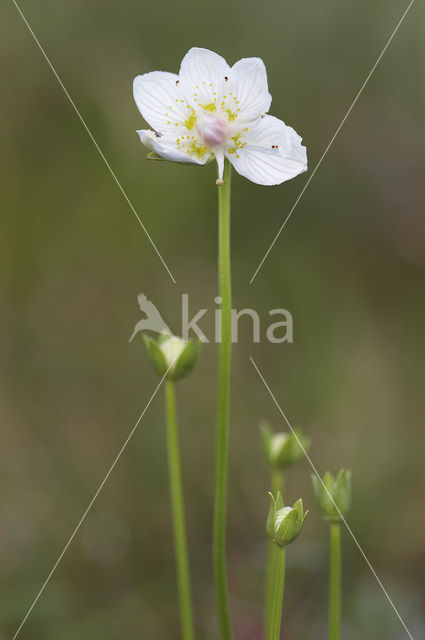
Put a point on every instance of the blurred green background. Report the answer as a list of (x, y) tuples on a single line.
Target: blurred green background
[(349, 266)]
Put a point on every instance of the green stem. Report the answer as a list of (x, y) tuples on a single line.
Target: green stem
[(222, 444), (276, 484), (177, 506), (335, 582), (277, 604)]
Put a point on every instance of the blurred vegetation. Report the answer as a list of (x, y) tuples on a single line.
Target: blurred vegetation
[(349, 266)]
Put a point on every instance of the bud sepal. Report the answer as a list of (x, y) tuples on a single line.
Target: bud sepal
[(333, 494), (152, 155)]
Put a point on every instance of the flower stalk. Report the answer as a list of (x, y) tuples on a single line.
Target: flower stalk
[(277, 595), (177, 506), (335, 582), (222, 436), (284, 525), (333, 495), (281, 450), (276, 482)]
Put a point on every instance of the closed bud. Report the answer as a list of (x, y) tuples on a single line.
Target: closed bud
[(284, 524), (333, 494), (283, 449), (173, 355)]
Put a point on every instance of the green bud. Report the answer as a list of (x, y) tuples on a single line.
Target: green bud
[(172, 354), (283, 449), (284, 524), (333, 495)]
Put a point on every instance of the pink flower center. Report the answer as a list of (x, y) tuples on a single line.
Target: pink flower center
[(212, 130)]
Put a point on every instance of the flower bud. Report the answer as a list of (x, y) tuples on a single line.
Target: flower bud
[(173, 355), (333, 495), (284, 524), (283, 449)]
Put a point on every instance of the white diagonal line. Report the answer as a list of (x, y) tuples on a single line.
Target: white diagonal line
[(341, 124), (130, 204), (333, 501), (90, 504)]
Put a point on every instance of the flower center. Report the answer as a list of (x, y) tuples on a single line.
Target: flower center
[(213, 130)]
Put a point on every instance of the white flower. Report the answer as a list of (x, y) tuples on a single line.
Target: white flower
[(213, 110)]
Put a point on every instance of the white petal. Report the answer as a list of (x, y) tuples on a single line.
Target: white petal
[(159, 100), (147, 137), (249, 88), (268, 153), (167, 147), (203, 72)]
